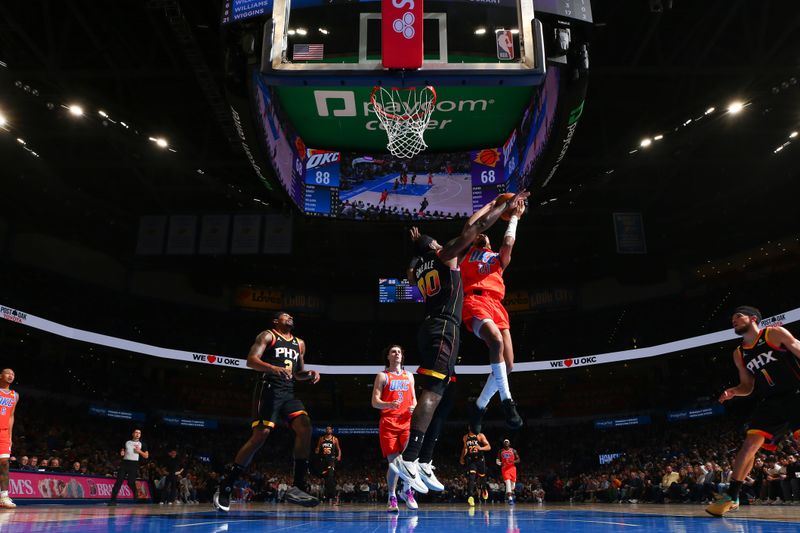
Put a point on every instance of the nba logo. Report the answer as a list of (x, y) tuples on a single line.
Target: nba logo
[(505, 44)]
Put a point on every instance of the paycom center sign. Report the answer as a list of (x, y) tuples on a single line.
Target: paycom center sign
[(465, 117)]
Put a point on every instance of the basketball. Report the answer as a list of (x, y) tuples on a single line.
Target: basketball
[(506, 196), (488, 157)]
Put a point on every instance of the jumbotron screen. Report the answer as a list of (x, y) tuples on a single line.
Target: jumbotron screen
[(431, 186), (237, 10), (393, 290)]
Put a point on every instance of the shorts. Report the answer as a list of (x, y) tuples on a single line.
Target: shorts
[(438, 340), (393, 436), (328, 464), (476, 465), (774, 417), (482, 308), (509, 473), (271, 406), (5, 444)]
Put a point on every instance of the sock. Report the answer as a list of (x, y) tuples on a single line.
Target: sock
[(300, 469), (411, 453), (488, 391), (733, 490), (435, 427), (501, 379), (508, 486), (233, 473), (426, 453)]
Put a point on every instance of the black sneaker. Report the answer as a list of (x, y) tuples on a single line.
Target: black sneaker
[(112, 503), (297, 496), (222, 499), (475, 416), (513, 420)]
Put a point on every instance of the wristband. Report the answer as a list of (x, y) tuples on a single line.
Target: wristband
[(511, 231)]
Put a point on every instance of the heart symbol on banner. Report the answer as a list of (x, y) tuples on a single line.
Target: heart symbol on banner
[(211, 358), (568, 363)]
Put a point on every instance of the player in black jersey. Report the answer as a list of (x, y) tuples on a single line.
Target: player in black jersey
[(767, 361), (435, 271), (278, 355), (472, 458), (330, 452)]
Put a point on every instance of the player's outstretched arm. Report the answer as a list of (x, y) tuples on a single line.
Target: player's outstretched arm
[(484, 443), (453, 249), (510, 236)]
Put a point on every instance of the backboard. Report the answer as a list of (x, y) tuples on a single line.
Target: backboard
[(323, 37)]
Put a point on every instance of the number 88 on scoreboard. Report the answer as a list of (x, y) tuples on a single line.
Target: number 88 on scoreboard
[(322, 168)]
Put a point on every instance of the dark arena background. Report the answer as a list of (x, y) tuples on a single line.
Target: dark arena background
[(175, 172)]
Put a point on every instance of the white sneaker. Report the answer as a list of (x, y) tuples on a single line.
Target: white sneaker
[(408, 471), (428, 477), (7, 503), (407, 496)]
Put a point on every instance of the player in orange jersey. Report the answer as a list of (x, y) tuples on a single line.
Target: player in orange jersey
[(508, 458), (8, 404), (393, 393), (484, 315)]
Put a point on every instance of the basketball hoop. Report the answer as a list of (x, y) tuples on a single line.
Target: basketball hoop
[(404, 114)]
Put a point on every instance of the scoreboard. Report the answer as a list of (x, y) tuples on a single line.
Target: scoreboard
[(235, 10), (321, 179), (393, 290)]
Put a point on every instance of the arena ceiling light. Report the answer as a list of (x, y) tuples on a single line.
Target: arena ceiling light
[(3, 120), (480, 31), (710, 110), (646, 142), (735, 107), (302, 31), (102, 114), (75, 110), (323, 31), (791, 135), (161, 142), (658, 137), (21, 141)]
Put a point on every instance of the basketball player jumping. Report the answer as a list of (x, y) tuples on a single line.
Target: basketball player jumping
[(8, 405), (508, 458), (472, 458), (278, 355), (393, 393), (330, 452), (435, 271), (767, 361), (484, 315)]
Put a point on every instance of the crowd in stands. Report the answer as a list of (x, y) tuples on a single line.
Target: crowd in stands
[(360, 210), (684, 462)]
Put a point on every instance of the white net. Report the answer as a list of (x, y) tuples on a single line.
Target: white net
[(404, 114)]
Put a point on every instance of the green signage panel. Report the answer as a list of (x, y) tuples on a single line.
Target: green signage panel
[(342, 118)]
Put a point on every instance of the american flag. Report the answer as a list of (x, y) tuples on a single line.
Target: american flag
[(307, 52)]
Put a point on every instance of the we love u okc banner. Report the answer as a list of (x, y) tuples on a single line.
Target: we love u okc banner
[(26, 319)]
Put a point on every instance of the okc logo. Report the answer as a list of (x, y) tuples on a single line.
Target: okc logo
[(405, 25)]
